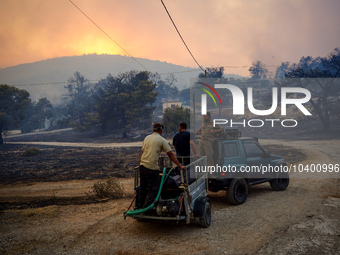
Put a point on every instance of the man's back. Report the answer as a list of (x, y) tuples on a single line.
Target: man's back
[(182, 143), (152, 147)]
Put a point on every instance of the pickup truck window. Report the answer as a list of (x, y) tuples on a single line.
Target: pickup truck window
[(230, 150), (252, 150)]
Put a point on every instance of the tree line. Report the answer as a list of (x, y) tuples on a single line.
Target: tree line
[(318, 75), (113, 105)]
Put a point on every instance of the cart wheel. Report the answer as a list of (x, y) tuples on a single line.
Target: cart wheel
[(205, 221)]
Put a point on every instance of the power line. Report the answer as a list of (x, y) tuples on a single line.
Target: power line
[(108, 35), (248, 66), (189, 71), (181, 36)]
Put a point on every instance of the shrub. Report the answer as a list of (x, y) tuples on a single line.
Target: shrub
[(31, 152), (109, 189)]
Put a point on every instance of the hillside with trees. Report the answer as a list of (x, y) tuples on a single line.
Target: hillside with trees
[(47, 78)]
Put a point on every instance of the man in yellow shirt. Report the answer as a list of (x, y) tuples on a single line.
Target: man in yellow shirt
[(152, 147)]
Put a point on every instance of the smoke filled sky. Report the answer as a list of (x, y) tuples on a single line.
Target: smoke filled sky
[(218, 32)]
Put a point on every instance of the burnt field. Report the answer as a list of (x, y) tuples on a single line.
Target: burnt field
[(65, 163), (71, 163)]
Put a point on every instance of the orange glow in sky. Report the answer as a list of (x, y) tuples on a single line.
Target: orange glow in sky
[(218, 33)]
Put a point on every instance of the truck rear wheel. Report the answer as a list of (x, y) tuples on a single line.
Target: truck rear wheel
[(281, 182), (237, 191)]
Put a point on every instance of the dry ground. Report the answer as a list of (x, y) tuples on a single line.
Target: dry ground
[(58, 217)]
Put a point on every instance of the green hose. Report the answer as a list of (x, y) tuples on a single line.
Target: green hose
[(139, 211)]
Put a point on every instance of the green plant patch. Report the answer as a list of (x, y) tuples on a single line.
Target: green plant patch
[(31, 152)]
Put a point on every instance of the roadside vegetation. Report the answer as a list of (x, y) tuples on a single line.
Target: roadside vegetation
[(109, 189)]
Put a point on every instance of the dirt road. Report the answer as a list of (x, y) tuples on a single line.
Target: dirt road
[(304, 219)]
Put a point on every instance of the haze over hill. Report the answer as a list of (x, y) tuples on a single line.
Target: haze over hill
[(47, 78)]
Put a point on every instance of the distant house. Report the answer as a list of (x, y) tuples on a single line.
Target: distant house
[(171, 104)]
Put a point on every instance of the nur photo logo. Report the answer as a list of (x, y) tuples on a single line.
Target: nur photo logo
[(243, 97)]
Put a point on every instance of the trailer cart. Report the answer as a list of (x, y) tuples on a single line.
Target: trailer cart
[(182, 195)]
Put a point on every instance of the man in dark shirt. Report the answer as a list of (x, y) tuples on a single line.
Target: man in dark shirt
[(183, 142)]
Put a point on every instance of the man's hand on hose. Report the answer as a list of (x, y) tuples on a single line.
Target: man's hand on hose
[(183, 168)]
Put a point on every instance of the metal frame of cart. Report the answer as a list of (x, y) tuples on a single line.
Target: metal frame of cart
[(194, 188)]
